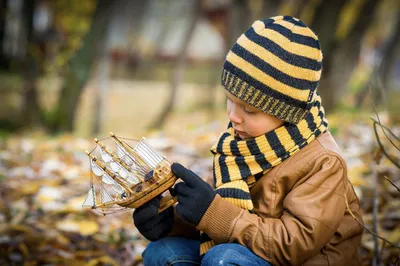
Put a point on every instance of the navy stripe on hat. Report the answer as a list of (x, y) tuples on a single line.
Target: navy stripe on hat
[(300, 84), (288, 57)]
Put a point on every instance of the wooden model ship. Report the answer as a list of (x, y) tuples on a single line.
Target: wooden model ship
[(130, 176)]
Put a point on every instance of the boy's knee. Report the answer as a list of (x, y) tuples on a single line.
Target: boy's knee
[(158, 252), (149, 255), (231, 254), (170, 250), (221, 254)]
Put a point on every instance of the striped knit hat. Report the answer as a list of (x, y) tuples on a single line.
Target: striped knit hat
[(275, 66)]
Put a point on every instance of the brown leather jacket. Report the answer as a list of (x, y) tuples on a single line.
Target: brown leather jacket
[(301, 216)]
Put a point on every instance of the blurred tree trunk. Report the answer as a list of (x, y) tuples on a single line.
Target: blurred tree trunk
[(388, 58), (79, 69), (324, 25), (347, 52), (131, 14), (270, 8), (179, 69), (103, 69), (163, 10), (31, 111), (340, 55), (240, 19), (3, 6), (382, 70), (102, 78), (292, 7)]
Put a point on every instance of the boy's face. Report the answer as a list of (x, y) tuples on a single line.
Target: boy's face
[(249, 122)]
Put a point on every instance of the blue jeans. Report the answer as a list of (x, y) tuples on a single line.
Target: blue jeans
[(181, 251)]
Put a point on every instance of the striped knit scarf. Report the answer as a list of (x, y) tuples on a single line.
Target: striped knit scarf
[(238, 164)]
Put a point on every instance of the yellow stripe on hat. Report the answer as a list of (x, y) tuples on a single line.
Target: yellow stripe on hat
[(259, 75), (305, 31), (277, 18), (282, 41), (278, 63)]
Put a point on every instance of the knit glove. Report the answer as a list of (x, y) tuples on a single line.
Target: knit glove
[(151, 224), (194, 195)]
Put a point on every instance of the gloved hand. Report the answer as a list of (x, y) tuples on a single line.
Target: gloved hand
[(151, 224), (194, 195)]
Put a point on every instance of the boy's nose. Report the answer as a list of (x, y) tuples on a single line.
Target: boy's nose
[(234, 117)]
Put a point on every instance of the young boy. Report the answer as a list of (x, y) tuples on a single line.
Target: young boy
[(281, 185)]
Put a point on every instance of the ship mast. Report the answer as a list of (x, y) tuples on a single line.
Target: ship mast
[(110, 173), (118, 160)]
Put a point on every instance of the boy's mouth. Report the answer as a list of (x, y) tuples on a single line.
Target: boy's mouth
[(241, 134)]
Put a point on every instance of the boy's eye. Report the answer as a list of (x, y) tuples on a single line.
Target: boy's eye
[(247, 111)]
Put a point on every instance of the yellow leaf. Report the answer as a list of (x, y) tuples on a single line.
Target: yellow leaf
[(102, 260), (18, 227), (88, 227), (394, 236), (83, 227), (24, 249), (29, 189), (62, 239), (355, 175), (68, 226), (75, 204), (48, 194)]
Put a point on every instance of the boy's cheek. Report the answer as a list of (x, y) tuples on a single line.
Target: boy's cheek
[(256, 130)]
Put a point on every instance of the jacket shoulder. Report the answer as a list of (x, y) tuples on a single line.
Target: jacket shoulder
[(327, 143), (324, 145), (315, 154)]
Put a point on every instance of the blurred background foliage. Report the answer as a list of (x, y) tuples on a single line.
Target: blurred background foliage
[(72, 70), (62, 62)]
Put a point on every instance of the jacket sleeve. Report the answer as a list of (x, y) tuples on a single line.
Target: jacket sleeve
[(312, 212), (183, 229)]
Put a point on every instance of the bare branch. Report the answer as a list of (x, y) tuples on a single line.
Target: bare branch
[(370, 231), (379, 122), (391, 182), (381, 146)]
